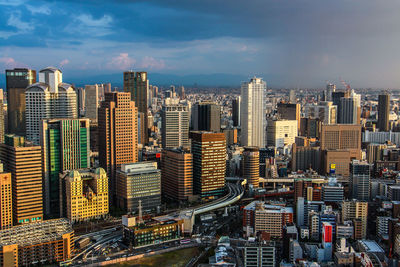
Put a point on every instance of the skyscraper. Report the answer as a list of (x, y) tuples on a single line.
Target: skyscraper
[(47, 99), (252, 113), (206, 116), (24, 162), (350, 109), (91, 101), (117, 128), (66, 146), (17, 80), (251, 169), (6, 220), (360, 177), (288, 111), (209, 152), (383, 112), (137, 84), (324, 111), (175, 126), (236, 111), (330, 89), (177, 174), (136, 182)]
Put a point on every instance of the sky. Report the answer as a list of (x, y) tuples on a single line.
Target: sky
[(299, 43)]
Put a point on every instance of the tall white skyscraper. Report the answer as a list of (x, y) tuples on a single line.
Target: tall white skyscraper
[(49, 98), (252, 113), (175, 125)]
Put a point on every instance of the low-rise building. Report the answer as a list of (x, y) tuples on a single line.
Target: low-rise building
[(141, 232), (36, 243)]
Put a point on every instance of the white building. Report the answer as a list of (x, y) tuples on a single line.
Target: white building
[(281, 133), (252, 113), (47, 99), (325, 111), (175, 125)]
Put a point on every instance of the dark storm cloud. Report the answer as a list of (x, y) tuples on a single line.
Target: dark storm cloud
[(293, 43)]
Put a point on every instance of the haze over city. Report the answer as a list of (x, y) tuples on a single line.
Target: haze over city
[(295, 44)]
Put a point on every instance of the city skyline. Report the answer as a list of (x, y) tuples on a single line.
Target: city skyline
[(299, 44)]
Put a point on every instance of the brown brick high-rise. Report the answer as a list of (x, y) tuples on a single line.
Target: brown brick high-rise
[(5, 200), (177, 174), (117, 129), (24, 162), (251, 169)]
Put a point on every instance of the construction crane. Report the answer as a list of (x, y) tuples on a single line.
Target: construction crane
[(346, 85)]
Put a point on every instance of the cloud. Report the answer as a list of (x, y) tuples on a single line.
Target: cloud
[(121, 62), (89, 21), (11, 2), (9, 62), (45, 10), (87, 26), (15, 21), (64, 62), (152, 63)]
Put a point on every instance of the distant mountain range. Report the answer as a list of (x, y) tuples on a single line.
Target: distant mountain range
[(159, 79), (218, 79)]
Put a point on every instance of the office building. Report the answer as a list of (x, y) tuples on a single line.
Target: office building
[(81, 101), (49, 98), (350, 109), (305, 158), (251, 169), (65, 146), (84, 194), (271, 219), (138, 182), (175, 126), (17, 80), (324, 111), (360, 177), (3, 118), (209, 161), (342, 137), (252, 113), (37, 243), (206, 116), (357, 212), (91, 101), (236, 111), (289, 111), (330, 89), (332, 193), (281, 133), (6, 219), (177, 174), (260, 254), (140, 232), (24, 161), (137, 84), (383, 112), (117, 128)]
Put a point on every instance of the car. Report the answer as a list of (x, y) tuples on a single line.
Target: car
[(149, 250), (123, 256), (108, 258)]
